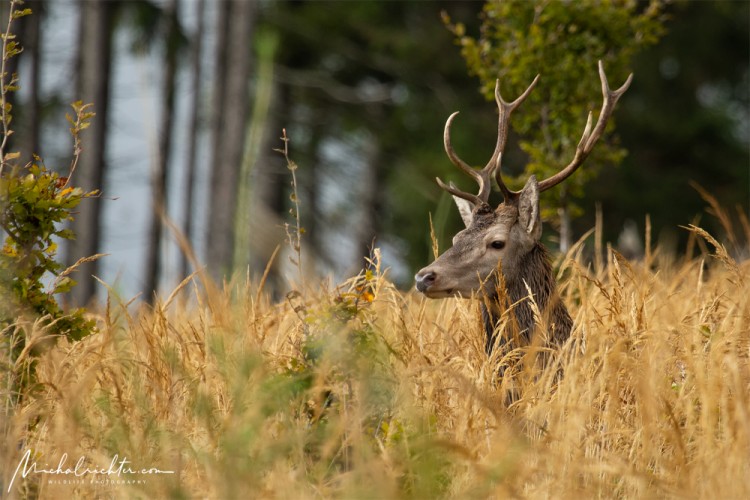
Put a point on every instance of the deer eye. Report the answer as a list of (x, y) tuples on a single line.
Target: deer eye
[(497, 244)]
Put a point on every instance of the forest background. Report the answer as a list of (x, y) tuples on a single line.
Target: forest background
[(191, 98)]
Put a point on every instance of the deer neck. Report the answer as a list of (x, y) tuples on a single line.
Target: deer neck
[(535, 272)]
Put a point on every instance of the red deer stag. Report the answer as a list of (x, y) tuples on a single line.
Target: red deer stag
[(499, 253)]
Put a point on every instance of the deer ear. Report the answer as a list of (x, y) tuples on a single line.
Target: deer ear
[(465, 208), (528, 208)]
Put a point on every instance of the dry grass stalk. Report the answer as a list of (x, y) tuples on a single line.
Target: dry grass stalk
[(365, 390)]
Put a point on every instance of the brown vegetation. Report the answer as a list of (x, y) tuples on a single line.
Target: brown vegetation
[(366, 391)]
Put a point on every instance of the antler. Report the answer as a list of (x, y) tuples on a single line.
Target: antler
[(589, 137), (494, 166), (484, 176)]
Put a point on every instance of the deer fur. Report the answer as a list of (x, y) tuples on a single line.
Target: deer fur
[(537, 274), (472, 264)]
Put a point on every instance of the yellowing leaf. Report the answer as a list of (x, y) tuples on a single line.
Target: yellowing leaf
[(21, 13)]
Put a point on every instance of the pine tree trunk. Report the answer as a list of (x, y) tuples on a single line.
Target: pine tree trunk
[(195, 77), (95, 58), (371, 198), (270, 188), (160, 178), (260, 184), (313, 210), (231, 108)]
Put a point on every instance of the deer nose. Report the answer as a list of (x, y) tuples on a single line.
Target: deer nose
[(425, 280)]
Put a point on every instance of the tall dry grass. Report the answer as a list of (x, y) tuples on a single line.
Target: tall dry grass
[(364, 391)]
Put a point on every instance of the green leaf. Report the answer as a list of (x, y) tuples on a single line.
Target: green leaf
[(64, 285), (66, 234), (21, 13)]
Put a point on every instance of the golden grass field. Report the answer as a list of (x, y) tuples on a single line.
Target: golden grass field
[(365, 391)]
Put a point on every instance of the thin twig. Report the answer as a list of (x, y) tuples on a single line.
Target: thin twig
[(4, 89), (295, 239), (78, 126)]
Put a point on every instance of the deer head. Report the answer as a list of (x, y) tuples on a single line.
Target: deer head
[(500, 238)]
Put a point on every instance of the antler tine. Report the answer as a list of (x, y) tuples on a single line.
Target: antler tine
[(589, 137), (476, 200), (449, 148), (504, 110), (480, 177), (484, 177)]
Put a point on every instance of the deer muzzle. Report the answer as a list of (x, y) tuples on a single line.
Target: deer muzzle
[(428, 283), (425, 279)]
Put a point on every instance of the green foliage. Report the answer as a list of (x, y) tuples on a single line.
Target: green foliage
[(35, 204), (344, 372), (341, 344), (562, 41)]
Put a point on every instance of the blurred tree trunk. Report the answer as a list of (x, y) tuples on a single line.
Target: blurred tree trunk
[(192, 142), (311, 175), (160, 178), (217, 135), (92, 86), (231, 109), (370, 199), (261, 198), (269, 185)]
